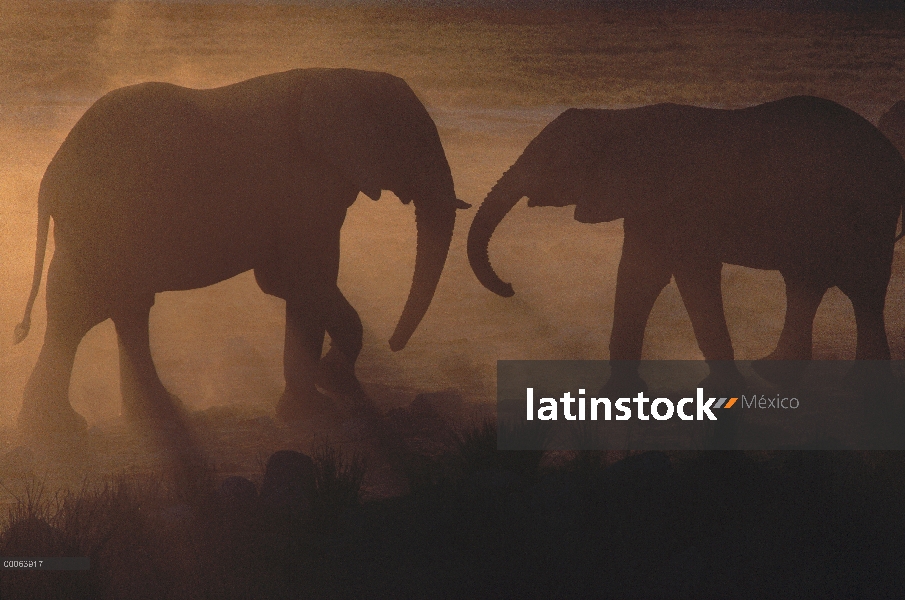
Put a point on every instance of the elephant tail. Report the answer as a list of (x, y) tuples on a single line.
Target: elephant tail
[(902, 233), (901, 211), (43, 227)]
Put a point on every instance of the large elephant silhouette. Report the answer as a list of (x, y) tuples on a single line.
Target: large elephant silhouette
[(892, 125), (800, 185), (160, 187)]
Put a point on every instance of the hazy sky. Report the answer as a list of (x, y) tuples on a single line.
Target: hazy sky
[(794, 5), (857, 5)]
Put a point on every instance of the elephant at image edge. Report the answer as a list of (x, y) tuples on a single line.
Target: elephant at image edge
[(892, 125), (160, 187), (800, 185)]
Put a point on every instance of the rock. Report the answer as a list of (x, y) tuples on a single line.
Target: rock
[(289, 480)]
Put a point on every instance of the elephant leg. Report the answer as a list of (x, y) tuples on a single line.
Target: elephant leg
[(336, 372), (306, 322), (71, 312), (301, 355), (700, 287), (795, 345), (699, 284), (303, 344), (803, 297), (871, 374), (144, 395), (641, 277), (147, 402), (869, 300)]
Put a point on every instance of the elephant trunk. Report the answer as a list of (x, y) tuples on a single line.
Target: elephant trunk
[(496, 205), (435, 222)]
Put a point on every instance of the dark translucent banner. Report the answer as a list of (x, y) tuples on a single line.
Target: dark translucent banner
[(695, 405), (79, 563)]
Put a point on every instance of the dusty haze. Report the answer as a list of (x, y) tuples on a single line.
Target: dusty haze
[(491, 80)]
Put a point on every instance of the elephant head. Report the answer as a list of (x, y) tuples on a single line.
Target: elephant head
[(560, 167), (373, 129)]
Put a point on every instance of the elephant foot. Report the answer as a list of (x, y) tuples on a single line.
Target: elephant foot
[(874, 378), (623, 385), (779, 371), (160, 408), (723, 434), (312, 406), (51, 422), (724, 378), (336, 375)]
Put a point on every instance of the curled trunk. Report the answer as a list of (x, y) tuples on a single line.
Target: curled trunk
[(496, 205), (435, 224)]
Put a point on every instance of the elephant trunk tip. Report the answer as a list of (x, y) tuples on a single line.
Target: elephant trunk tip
[(478, 258), (21, 331), (499, 201), (499, 287), (397, 343)]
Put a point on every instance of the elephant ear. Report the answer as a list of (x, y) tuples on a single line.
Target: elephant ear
[(612, 191), (609, 168), (603, 195), (340, 120)]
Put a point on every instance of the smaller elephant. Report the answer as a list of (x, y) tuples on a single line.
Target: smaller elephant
[(892, 125), (800, 185)]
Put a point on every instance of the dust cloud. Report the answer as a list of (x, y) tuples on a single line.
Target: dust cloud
[(492, 80)]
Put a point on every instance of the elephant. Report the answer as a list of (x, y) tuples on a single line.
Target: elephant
[(801, 185), (892, 125), (159, 187)]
